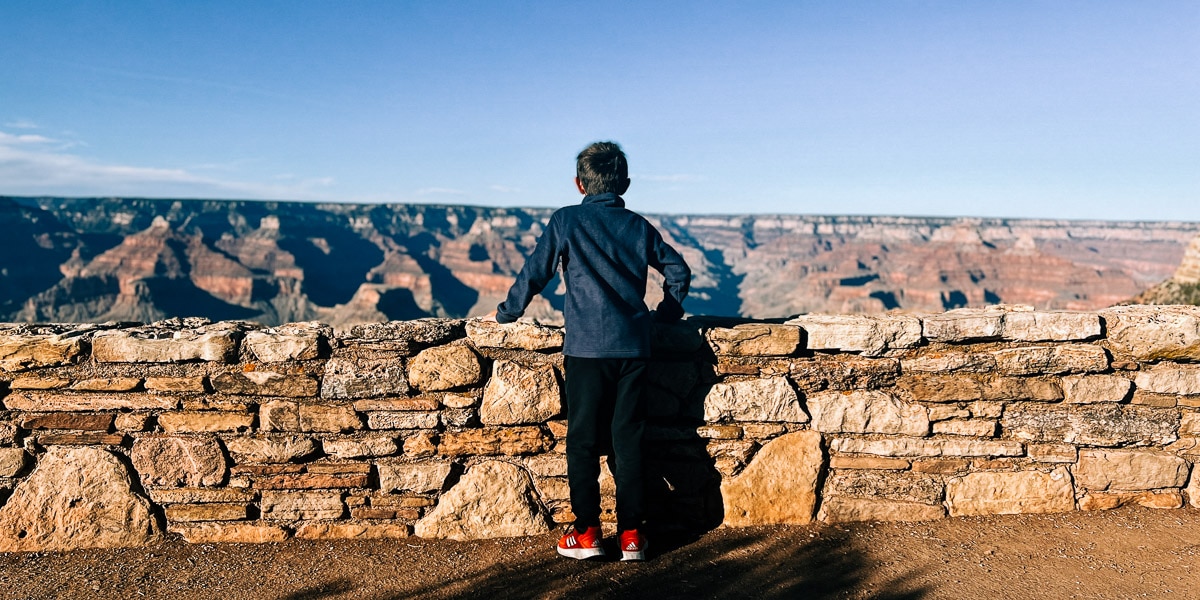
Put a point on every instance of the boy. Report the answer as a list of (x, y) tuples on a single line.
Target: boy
[(605, 251)]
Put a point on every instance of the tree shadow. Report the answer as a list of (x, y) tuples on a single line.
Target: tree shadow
[(747, 563)]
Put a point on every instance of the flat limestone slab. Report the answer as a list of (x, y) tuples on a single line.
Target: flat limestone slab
[(779, 486), (493, 499), (76, 498), (1011, 493)]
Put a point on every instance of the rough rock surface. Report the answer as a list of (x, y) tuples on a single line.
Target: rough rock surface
[(364, 447), (1148, 499), (299, 341), (845, 372), (198, 421), (1193, 488), (174, 461), (997, 420), (1153, 333), (265, 383), (284, 416), (291, 506), (1032, 360), (947, 361), (779, 486), (526, 336), (1085, 389), (964, 324), (276, 449), (411, 334), (866, 412), (1189, 267), (360, 530), (755, 339), (444, 368), (418, 478), (1170, 379), (517, 394), (1092, 424), (927, 447), (492, 499), (1103, 470), (18, 353), (904, 486), (1010, 493), (845, 509), (75, 498), (771, 399), (1046, 326), (869, 334), (127, 346), (86, 401), (229, 533), (351, 378), (12, 461), (491, 441)]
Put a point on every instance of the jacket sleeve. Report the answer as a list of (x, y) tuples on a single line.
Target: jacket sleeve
[(677, 277), (538, 271)]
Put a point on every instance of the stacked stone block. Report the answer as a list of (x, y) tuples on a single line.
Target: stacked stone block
[(111, 435)]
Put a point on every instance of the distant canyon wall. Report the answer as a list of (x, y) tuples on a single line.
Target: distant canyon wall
[(1181, 288), (116, 259), (442, 428)]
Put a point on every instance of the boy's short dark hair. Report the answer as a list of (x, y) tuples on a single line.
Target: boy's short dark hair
[(602, 168)]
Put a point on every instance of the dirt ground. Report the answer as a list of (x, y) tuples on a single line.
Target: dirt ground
[(1129, 553)]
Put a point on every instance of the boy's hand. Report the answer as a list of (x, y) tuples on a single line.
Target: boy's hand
[(489, 318)]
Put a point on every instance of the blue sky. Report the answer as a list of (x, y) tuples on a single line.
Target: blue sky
[(1022, 109)]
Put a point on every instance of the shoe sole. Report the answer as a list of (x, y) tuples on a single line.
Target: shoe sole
[(632, 556), (581, 553)]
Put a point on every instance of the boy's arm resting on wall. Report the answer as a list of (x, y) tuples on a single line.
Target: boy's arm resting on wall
[(677, 278), (538, 271)]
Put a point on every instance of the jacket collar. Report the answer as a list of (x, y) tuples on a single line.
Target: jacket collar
[(606, 199)]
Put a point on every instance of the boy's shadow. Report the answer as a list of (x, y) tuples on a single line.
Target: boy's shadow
[(683, 483)]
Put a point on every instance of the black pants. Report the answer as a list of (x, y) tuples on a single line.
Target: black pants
[(605, 416)]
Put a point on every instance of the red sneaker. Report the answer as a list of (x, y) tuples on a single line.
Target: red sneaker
[(574, 544), (633, 545)]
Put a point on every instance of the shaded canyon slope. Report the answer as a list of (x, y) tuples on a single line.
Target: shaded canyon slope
[(1183, 287), (117, 259)]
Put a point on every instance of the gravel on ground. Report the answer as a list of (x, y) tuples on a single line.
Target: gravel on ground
[(1127, 553)]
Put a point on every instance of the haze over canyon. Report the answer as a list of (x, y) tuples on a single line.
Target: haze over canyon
[(119, 259)]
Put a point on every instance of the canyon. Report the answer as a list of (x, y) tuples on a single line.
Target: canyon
[(144, 260)]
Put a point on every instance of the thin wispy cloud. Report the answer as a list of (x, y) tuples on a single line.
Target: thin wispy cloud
[(504, 189), (33, 164), (306, 181), (24, 139), (193, 82), (21, 124)]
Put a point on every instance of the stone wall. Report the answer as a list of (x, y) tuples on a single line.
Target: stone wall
[(113, 435)]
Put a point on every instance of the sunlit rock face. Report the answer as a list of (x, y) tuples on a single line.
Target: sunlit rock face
[(1183, 287), (90, 259)]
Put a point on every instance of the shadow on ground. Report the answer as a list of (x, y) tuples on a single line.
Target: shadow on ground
[(738, 564)]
